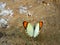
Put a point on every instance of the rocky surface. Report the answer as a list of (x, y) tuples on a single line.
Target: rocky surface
[(47, 11)]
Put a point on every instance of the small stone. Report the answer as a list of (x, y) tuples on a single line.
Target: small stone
[(4, 26), (3, 23), (2, 5)]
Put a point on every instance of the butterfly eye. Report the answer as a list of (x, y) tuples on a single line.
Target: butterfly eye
[(41, 24), (25, 24)]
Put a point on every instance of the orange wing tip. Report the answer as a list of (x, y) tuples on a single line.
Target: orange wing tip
[(41, 24), (25, 23)]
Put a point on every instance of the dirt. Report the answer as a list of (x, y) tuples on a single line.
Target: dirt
[(49, 14)]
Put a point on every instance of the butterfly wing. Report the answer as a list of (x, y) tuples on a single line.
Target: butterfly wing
[(25, 23), (41, 24), (29, 30), (36, 32), (37, 27)]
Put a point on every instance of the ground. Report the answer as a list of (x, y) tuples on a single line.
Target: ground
[(49, 14)]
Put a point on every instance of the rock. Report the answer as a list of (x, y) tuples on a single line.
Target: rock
[(6, 12), (23, 9), (2, 5), (3, 23)]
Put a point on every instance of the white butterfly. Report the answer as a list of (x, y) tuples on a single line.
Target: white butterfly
[(32, 31)]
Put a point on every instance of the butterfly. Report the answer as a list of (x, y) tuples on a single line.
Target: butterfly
[(32, 31)]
